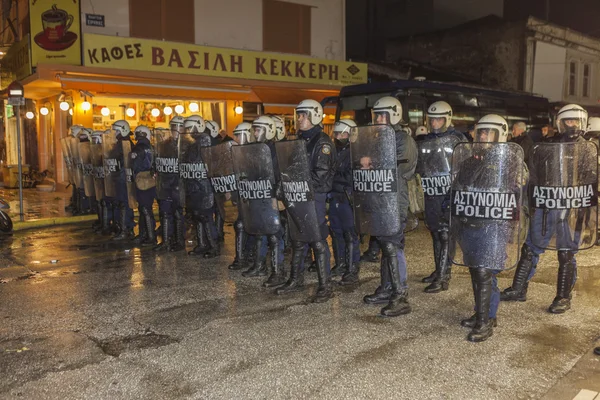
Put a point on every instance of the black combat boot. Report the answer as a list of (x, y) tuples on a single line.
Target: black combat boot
[(259, 267), (148, 219), (277, 277), (340, 266), (398, 303), (124, 232), (240, 243), (518, 290), (384, 291), (566, 281), (179, 232), (442, 272), (201, 241), (437, 248), (350, 277), (220, 222), (97, 227), (213, 245), (372, 253), (484, 327), (164, 227), (296, 281), (324, 291), (142, 236)]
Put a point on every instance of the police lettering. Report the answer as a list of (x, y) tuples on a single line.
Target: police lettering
[(128, 174), (111, 165), (254, 190), (436, 185), (195, 171), (374, 180), (296, 192), (99, 172), (87, 169), (224, 184), (564, 197), (167, 165), (485, 205)]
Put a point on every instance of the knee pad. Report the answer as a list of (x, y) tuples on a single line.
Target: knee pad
[(273, 240), (388, 249), (320, 247), (239, 225), (444, 236), (348, 237), (527, 252), (565, 256)]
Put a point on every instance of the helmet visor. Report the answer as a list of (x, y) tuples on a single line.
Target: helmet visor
[(487, 135), (436, 124)]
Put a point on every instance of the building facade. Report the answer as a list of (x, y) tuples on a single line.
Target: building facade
[(95, 62)]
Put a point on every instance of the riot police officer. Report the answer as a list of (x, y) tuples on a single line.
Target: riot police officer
[(593, 135), (104, 209), (394, 288), (280, 136), (85, 160), (244, 245), (145, 186), (123, 213), (212, 128), (487, 232), (167, 186), (435, 155), (344, 239), (567, 161), (321, 164), (199, 196)]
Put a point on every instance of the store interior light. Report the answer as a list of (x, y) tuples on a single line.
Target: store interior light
[(130, 112), (179, 109), (155, 112), (44, 111), (167, 110), (85, 106), (239, 109), (29, 115), (194, 107), (105, 111), (70, 111), (64, 105)]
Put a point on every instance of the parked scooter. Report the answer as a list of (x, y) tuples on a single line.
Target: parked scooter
[(6, 225)]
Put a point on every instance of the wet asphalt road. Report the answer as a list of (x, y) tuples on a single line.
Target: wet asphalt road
[(104, 323)]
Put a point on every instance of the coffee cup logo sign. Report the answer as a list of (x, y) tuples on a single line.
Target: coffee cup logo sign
[(55, 25)]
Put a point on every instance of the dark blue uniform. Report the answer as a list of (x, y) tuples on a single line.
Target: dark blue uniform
[(142, 158)]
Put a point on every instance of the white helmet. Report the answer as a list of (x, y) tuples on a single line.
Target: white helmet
[(142, 130), (421, 130), (439, 109), (313, 109), (75, 129), (85, 134), (343, 125), (192, 124), (391, 106), (97, 137), (279, 127), (263, 128), (176, 124), (213, 127), (593, 125), (121, 128), (571, 112), (243, 133), (491, 123)]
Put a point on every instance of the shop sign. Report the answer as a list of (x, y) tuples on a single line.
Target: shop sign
[(94, 20), (16, 64), (158, 56), (56, 31)]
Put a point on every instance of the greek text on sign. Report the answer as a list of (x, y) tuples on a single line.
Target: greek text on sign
[(193, 171), (224, 184), (167, 165), (255, 190), (374, 180), (111, 165), (159, 56), (485, 205), (564, 197), (296, 192), (436, 185)]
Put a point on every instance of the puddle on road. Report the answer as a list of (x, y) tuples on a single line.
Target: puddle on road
[(115, 346)]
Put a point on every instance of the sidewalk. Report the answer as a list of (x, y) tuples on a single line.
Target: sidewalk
[(41, 208)]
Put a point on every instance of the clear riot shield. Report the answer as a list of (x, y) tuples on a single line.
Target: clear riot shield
[(195, 186), (85, 153), (299, 201), (66, 151), (563, 195), (375, 180), (255, 177), (166, 163), (487, 225), (129, 181), (219, 162), (98, 169), (112, 165), (77, 164)]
